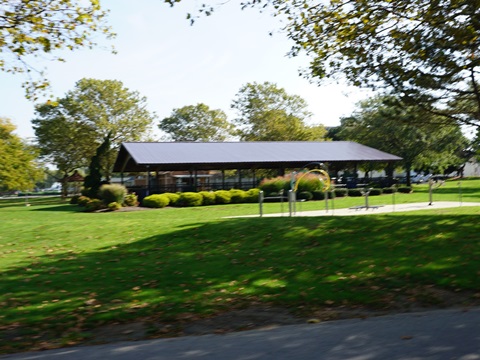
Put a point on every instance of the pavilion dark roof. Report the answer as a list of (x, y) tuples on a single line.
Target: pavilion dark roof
[(170, 156)]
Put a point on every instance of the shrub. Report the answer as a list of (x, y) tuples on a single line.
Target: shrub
[(274, 185), (341, 192), (113, 206), (94, 205), (309, 182), (112, 193), (405, 189), (375, 192), (131, 200), (318, 195), (237, 196), (173, 198), (83, 200), (208, 197), (74, 199), (354, 192), (222, 197), (389, 190), (252, 195), (190, 199), (156, 201), (305, 195)]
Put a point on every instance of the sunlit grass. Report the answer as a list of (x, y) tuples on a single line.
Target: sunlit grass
[(64, 272)]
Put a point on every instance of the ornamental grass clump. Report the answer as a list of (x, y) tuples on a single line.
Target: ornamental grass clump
[(275, 185), (309, 182), (112, 193)]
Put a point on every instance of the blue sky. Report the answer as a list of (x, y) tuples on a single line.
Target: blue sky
[(174, 64)]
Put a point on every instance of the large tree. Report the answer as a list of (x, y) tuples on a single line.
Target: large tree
[(268, 113), (40, 27), (19, 169), (79, 122), (197, 123), (426, 51), (383, 123)]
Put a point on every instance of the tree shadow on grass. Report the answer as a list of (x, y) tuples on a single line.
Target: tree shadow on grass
[(62, 208), (206, 268)]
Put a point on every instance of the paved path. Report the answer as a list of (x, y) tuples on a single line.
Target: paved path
[(432, 335), (373, 210)]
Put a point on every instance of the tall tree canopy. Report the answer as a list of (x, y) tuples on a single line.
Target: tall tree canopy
[(268, 113), (75, 125), (384, 124), (19, 169), (196, 123), (427, 51), (37, 27)]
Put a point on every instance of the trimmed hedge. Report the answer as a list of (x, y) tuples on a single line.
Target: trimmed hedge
[(188, 199), (354, 192), (405, 189), (389, 190), (375, 192), (156, 201), (318, 195), (173, 198), (341, 192), (252, 195), (222, 197), (305, 195), (208, 197), (237, 196)]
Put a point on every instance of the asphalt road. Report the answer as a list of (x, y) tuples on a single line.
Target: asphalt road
[(442, 334)]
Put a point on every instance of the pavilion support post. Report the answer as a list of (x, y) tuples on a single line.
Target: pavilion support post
[(239, 178), (223, 179), (148, 180), (195, 185), (254, 178)]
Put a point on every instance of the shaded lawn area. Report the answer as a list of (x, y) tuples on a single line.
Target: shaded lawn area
[(65, 272)]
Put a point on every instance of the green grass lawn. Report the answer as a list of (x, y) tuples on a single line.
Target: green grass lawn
[(65, 272)]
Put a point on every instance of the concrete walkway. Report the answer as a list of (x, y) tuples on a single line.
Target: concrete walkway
[(375, 209), (433, 335)]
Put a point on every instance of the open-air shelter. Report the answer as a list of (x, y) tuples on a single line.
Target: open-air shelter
[(196, 158)]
